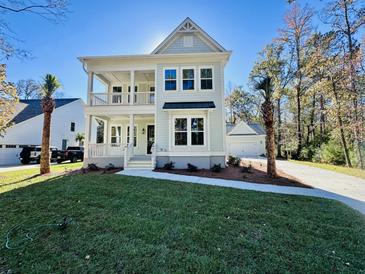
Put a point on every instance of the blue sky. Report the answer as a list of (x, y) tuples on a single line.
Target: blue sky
[(111, 27)]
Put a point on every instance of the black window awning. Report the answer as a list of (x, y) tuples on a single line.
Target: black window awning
[(189, 105)]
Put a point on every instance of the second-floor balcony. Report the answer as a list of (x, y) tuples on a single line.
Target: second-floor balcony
[(128, 87), (122, 98)]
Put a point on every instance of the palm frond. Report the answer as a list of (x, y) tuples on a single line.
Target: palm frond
[(49, 86)]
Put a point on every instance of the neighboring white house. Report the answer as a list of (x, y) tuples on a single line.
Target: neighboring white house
[(175, 105), (245, 139), (67, 120)]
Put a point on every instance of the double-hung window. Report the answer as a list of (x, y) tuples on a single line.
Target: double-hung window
[(181, 131), (170, 79), (206, 78), (197, 131), (117, 98), (116, 135), (188, 79), (189, 131), (135, 136)]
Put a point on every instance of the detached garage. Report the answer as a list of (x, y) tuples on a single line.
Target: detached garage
[(245, 140)]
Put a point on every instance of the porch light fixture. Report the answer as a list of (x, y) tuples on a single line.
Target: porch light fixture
[(143, 131)]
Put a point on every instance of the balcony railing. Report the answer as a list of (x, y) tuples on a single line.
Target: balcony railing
[(104, 150), (122, 98)]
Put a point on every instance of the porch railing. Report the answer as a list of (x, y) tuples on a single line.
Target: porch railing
[(122, 98), (105, 150)]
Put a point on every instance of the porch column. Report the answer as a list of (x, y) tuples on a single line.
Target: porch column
[(90, 86), (132, 85), (131, 132), (106, 136), (88, 125)]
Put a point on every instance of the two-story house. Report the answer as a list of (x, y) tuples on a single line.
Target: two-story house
[(159, 107)]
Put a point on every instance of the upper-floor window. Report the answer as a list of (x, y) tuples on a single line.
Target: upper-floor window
[(206, 78), (170, 79), (72, 127), (188, 79), (117, 89)]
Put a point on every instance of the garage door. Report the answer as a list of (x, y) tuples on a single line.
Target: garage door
[(9, 156), (243, 149)]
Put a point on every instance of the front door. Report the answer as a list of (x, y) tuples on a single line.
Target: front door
[(150, 137)]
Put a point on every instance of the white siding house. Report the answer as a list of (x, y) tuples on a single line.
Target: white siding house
[(245, 140), (176, 106), (67, 120)]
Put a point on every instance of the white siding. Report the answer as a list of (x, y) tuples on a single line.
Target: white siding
[(29, 132), (216, 116), (177, 46)]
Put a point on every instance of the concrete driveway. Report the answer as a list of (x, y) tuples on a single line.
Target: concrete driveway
[(22, 167), (338, 183)]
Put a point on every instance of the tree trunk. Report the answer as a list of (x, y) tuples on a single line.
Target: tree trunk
[(268, 115), (340, 124), (45, 168), (298, 88), (279, 129), (322, 119), (357, 127)]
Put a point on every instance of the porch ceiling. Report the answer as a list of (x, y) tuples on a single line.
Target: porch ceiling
[(124, 76)]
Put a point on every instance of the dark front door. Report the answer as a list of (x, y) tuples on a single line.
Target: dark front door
[(150, 137)]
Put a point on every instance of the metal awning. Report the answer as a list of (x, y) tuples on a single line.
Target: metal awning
[(189, 105)]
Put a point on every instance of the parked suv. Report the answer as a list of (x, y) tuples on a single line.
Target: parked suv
[(33, 154), (73, 154)]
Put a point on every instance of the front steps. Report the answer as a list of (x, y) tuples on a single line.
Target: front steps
[(140, 162)]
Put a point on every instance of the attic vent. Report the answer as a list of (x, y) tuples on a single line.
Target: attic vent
[(188, 41), (188, 27)]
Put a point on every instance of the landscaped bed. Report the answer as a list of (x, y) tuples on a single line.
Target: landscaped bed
[(257, 174), (119, 224)]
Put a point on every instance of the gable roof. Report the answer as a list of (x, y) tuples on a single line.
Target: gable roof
[(243, 128), (32, 108), (189, 26)]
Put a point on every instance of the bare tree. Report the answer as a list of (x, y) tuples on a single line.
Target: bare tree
[(28, 89), (297, 30), (51, 10)]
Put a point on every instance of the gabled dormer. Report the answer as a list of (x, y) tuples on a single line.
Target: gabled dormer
[(188, 37)]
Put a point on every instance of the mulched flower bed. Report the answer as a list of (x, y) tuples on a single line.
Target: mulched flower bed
[(257, 175)]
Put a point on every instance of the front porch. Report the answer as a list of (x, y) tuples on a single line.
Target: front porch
[(111, 140)]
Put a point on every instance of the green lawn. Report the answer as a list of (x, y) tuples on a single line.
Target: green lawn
[(129, 224), (341, 169)]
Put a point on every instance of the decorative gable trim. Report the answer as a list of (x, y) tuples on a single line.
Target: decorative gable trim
[(189, 26)]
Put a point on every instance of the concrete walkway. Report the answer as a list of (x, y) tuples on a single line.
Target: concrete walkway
[(331, 181), (354, 203)]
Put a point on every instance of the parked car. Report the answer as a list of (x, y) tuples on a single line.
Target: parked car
[(72, 154), (33, 154)]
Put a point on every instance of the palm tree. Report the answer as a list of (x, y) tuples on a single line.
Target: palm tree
[(265, 87), (80, 137), (48, 88)]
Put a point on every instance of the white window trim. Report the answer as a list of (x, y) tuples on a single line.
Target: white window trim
[(136, 135), (121, 133), (177, 79), (200, 84), (182, 79), (188, 117)]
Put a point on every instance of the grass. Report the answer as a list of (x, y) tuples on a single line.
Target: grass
[(341, 169), (21, 178), (129, 224)]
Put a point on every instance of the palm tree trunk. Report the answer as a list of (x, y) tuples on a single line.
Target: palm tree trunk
[(268, 111), (45, 168)]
